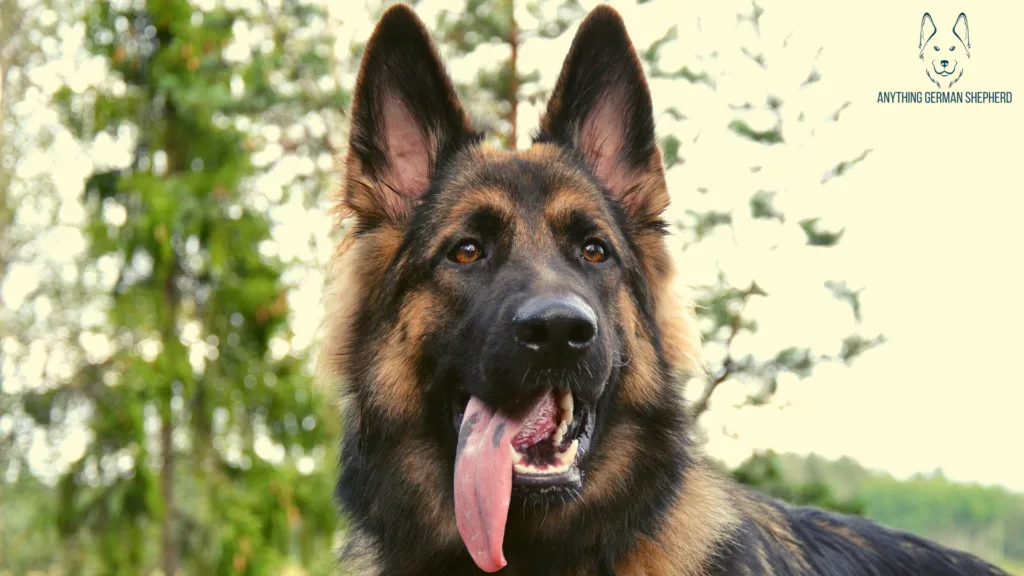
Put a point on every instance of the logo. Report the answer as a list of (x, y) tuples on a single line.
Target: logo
[(945, 54)]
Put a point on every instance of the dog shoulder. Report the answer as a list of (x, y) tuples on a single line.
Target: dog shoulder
[(776, 539)]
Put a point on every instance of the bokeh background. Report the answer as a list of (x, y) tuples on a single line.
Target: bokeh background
[(165, 173)]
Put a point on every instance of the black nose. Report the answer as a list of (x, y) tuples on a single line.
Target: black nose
[(944, 63), (555, 324)]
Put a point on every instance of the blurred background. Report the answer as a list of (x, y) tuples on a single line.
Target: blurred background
[(165, 170)]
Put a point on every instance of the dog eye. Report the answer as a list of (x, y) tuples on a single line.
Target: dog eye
[(466, 252), (594, 251), (936, 48), (951, 48)]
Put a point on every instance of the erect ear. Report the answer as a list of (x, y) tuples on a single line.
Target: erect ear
[(601, 109), (927, 31), (405, 117), (963, 32)]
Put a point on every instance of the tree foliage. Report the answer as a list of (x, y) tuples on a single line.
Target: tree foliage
[(764, 472), (205, 448)]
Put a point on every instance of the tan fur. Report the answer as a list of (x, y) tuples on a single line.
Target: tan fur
[(353, 267), (422, 464), (542, 152), (491, 198), (565, 201), (639, 383), (341, 299), (359, 555), (772, 522), (762, 559), (606, 480), (701, 520), (844, 532), (680, 335), (395, 390)]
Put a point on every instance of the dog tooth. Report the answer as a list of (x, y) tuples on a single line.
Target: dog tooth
[(560, 433), (569, 456), (557, 468), (565, 401)]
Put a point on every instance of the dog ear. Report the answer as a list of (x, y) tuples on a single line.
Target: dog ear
[(405, 117), (928, 30), (963, 32), (601, 109)]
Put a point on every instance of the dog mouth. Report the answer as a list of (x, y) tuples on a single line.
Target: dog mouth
[(537, 451), (549, 448)]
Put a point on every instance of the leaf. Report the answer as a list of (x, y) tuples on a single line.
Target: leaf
[(843, 166), (818, 237), (761, 206), (842, 292), (773, 136), (670, 151)]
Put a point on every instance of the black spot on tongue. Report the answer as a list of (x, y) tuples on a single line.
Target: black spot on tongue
[(499, 433)]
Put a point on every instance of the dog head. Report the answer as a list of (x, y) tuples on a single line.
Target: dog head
[(502, 321), (945, 54)]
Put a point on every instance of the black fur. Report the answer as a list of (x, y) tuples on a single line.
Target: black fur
[(602, 65), (399, 64)]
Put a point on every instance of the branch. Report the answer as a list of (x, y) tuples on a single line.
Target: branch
[(702, 404)]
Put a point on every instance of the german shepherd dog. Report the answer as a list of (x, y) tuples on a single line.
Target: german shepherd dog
[(503, 330)]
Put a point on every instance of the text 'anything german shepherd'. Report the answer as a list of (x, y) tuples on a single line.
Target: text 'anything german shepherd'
[(503, 330)]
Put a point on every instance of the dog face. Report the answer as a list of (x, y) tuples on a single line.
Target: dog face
[(503, 325), (945, 54)]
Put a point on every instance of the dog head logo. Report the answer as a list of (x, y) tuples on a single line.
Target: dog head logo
[(945, 54)]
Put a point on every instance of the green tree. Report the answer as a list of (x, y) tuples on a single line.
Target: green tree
[(765, 473), (208, 451)]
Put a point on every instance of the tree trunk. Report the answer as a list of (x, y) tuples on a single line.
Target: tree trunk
[(169, 554), (513, 112)]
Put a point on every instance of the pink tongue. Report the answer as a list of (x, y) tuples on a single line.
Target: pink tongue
[(483, 473)]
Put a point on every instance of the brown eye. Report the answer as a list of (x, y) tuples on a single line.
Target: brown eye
[(595, 252), (466, 252)]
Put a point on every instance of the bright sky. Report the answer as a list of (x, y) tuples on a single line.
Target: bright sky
[(930, 222)]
